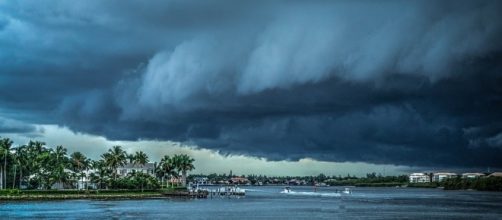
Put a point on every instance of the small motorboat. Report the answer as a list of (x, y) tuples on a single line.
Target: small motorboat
[(287, 189), (347, 191)]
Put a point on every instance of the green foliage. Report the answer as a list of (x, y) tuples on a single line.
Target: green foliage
[(482, 183), (36, 166), (115, 158), (10, 192), (371, 179), (135, 181), (14, 192)]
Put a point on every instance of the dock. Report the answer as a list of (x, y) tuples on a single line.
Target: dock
[(224, 192), (186, 194)]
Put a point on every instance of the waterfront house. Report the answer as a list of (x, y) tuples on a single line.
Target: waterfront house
[(239, 180), (148, 168), (201, 180), (62, 185), (223, 182), (439, 177), (472, 175), (420, 178), (84, 180), (294, 182)]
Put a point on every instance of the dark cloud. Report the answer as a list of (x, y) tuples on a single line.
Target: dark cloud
[(410, 83), (12, 126)]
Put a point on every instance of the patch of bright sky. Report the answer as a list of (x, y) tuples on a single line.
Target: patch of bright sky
[(206, 161)]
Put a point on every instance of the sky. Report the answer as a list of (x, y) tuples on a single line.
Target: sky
[(272, 87)]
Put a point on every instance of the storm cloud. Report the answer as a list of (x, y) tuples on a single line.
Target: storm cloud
[(391, 82)]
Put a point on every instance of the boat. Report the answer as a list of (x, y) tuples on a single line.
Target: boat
[(347, 191), (321, 185), (287, 189)]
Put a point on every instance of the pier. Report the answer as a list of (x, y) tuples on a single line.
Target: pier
[(186, 194), (223, 192)]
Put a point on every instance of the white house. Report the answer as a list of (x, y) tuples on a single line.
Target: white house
[(439, 177), (201, 181), (61, 185), (148, 168), (472, 175), (419, 178), (84, 181)]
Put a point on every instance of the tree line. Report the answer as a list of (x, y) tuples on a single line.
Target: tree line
[(36, 166), (371, 179), (492, 183)]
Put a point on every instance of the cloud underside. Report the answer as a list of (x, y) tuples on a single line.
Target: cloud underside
[(408, 83)]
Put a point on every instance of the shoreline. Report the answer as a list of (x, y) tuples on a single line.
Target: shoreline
[(28, 197), (166, 194)]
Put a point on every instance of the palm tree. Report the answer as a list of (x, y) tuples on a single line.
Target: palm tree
[(36, 157), (140, 158), (183, 164), (167, 167), (130, 158), (45, 168), (80, 163), (14, 166), (59, 163), (115, 158), (5, 145), (22, 161), (102, 173)]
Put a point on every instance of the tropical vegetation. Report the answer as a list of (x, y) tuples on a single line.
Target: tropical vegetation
[(37, 166), (493, 183)]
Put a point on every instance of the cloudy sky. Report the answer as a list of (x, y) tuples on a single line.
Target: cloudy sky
[(273, 87)]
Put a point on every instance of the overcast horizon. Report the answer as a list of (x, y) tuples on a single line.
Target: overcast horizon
[(259, 87)]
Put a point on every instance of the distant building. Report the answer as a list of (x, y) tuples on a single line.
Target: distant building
[(498, 174), (420, 178), (239, 180), (294, 182), (472, 175), (201, 180), (175, 180), (439, 177), (148, 168)]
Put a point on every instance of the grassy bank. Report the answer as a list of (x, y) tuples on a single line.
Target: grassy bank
[(76, 194), (173, 189)]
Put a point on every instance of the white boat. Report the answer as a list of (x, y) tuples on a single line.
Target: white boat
[(347, 191), (286, 190)]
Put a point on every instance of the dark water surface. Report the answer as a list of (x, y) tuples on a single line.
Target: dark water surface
[(270, 203)]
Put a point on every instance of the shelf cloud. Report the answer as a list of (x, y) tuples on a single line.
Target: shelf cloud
[(413, 83)]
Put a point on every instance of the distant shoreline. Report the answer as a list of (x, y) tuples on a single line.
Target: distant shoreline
[(41, 195)]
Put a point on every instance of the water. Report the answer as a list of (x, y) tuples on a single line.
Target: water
[(270, 203)]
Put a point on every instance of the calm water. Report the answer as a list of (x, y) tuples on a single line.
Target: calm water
[(269, 203)]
